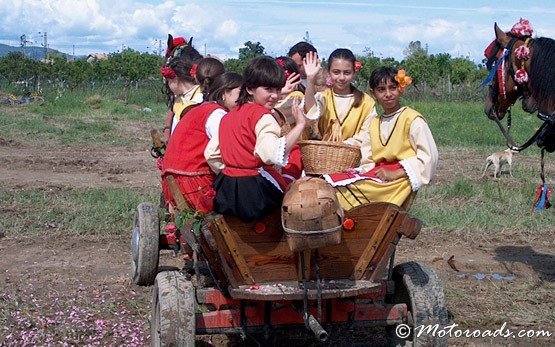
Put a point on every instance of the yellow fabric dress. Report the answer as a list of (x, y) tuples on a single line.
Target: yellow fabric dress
[(190, 98), (396, 148), (351, 122)]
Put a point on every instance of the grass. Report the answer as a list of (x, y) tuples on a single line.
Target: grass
[(464, 204), (101, 211), (78, 118)]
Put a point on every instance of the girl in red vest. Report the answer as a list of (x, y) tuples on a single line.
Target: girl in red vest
[(184, 157), (179, 77), (251, 144)]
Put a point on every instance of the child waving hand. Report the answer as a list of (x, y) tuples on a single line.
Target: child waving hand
[(251, 143), (343, 102)]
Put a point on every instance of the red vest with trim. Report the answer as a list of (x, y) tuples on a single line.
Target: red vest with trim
[(185, 152), (238, 139)]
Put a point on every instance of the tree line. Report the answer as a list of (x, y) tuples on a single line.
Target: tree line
[(436, 75)]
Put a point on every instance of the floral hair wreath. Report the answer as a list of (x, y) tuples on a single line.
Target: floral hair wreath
[(403, 79), (358, 65)]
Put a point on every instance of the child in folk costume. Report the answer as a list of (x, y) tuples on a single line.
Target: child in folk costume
[(343, 102), (179, 75), (289, 92), (184, 158), (251, 144), (283, 112), (399, 153)]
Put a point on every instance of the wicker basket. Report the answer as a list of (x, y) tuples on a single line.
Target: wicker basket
[(323, 157), (311, 215)]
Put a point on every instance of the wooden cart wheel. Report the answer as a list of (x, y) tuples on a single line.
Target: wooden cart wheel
[(173, 310), (418, 286), (145, 245)]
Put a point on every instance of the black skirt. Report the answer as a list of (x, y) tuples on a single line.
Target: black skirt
[(249, 198)]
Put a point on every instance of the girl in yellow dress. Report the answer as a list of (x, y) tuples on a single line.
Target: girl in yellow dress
[(343, 102), (399, 154)]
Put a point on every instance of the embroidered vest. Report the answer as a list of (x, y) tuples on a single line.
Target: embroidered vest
[(185, 152)]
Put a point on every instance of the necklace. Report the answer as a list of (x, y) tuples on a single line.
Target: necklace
[(335, 110), (399, 111), (182, 95)]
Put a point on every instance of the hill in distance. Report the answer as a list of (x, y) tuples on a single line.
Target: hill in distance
[(33, 52)]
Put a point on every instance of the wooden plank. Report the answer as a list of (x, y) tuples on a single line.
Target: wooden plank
[(178, 197), (240, 263), (380, 256), (367, 217), (245, 231), (410, 227), (382, 266), (377, 237), (226, 260), (210, 252)]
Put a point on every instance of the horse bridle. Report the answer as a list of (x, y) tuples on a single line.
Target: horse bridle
[(523, 87)]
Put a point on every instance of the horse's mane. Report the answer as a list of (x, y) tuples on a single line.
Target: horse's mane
[(542, 73)]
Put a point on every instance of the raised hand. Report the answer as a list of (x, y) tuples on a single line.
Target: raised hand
[(311, 65), (298, 113), (291, 83)]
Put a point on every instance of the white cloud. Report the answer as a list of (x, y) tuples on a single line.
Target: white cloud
[(227, 29), (224, 25)]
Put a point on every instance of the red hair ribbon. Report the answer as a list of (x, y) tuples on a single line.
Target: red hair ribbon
[(167, 72), (193, 70)]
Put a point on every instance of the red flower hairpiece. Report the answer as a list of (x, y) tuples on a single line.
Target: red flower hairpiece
[(287, 74), (281, 62), (522, 28), (358, 65), (193, 70), (167, 72)]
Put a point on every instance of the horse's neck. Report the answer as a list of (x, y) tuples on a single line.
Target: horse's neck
[(542, 74)]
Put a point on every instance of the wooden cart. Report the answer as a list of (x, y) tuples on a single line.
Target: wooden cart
[(260, 285)]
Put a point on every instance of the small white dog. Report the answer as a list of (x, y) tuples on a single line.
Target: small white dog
[(498, 159)]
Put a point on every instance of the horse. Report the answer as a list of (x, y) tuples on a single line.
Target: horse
[(522, 67)]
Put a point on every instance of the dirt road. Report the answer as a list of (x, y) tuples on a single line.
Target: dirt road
[(56, 287)]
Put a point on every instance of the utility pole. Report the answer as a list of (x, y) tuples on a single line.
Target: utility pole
[(45, 45), (159, 47)]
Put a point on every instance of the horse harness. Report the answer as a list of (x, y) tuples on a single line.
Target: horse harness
[(548, 127)]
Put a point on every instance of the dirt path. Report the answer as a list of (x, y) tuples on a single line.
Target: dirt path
[(75, 289)]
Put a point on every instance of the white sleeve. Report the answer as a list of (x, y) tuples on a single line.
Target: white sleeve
[(213, 122), (421, 168), (213, 155), (318, 109), (270, 147)]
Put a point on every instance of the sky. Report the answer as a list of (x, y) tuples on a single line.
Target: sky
[(221, 27)]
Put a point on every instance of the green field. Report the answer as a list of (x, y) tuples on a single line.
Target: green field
[(461, 201)]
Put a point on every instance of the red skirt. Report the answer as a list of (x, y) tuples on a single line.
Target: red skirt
[(197, 190)]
